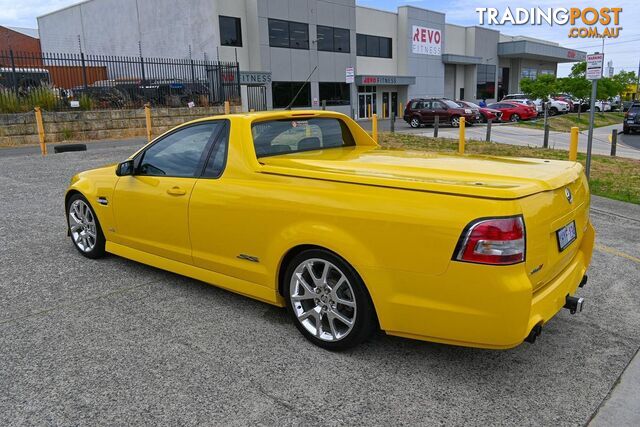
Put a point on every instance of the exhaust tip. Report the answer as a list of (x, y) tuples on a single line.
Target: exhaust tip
[(535, 333), (574, 304), (583, 281)]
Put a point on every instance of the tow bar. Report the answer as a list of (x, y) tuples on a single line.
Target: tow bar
[(573, 304)]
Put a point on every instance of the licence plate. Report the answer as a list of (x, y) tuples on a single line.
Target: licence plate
[(629, 121), (566, 235)]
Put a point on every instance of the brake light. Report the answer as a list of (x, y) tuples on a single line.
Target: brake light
[(496, 241)]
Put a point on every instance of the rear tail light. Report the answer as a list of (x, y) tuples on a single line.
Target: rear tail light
[(496, 241)]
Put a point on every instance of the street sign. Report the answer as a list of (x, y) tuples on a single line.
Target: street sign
[(594, 66), (594, 73), (350, 75)]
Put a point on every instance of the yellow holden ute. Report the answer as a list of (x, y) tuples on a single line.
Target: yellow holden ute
[(303, 210)]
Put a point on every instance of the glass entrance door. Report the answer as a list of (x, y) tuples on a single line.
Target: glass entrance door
[(366, 105)]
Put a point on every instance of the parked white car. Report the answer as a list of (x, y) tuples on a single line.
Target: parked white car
[(555, 106), (602, 106), (521, 98)]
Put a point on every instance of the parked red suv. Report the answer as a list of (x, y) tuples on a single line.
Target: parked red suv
[(423, 111), (514, 111)]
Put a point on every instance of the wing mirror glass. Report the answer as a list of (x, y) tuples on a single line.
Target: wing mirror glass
[(125, 168)]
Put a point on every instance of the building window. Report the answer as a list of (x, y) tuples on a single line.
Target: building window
[(373, 46), (335, 93), (230, 31), (486, 81), (294, 35), (283, 93), (549, 72), (333, 39), (529, 73)]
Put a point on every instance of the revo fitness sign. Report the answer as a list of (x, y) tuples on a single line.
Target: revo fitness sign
[(426, 41)]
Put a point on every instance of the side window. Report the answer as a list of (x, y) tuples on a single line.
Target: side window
[(437, 105), (218, 157), (180, 154)]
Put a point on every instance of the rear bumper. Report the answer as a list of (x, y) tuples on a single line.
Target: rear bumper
[(473, 305)]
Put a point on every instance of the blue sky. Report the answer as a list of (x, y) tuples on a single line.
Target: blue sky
[(624, 51)]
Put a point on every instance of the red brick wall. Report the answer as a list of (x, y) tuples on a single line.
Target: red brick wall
[(19, 42)]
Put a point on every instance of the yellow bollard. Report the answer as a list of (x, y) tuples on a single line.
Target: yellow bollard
[(41, 136), (573, 145), (227, 108), (384, 110), (147, 115), (374, 127), (369, 109), (462, 141)]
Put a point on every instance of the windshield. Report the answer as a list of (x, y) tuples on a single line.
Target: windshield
[(284, 136)]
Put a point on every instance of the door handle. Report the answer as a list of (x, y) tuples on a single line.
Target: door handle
[(176, 191)]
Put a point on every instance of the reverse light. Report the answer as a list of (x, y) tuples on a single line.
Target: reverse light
[(496, 241)]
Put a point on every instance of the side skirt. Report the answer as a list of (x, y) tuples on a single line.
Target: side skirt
[(232, 284)]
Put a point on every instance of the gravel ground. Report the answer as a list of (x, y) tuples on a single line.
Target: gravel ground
[(112, 342)]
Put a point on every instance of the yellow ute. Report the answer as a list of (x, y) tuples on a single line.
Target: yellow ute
[(302, 209)]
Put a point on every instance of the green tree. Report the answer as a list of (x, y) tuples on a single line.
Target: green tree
[(539, 88), (579, 69)]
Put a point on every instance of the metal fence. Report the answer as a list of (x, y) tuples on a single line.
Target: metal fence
[(99, 81)]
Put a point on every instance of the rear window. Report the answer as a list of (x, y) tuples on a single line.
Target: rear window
[(275, 137), (450, 103)]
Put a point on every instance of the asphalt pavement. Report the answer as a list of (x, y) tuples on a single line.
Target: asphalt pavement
[(113, 342)]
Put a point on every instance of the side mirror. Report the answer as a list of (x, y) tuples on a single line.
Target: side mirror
[(125, 168)]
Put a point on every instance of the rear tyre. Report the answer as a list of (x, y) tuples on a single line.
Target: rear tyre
[(597, 109), (328, 301), (553, 111), (84, 228), (414, 122), (514, 118)]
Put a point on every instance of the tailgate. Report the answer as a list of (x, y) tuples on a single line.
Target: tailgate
[(545, 214)]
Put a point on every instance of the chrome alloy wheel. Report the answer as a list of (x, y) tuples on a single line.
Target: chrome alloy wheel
[(323, 299), (455, 121), (415, 123), (82, 225)]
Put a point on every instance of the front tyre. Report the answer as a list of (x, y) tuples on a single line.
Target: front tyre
[(84, 227), (328, 301), (414, 122), (514, 118)]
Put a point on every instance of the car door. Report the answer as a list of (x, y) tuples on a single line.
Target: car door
[(440, 110), (151, 206), (426, 112)]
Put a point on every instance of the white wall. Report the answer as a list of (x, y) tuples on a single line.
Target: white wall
[(377, 23)]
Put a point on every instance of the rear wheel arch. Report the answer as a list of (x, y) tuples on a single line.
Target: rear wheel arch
[(298, 249), (315, 251)]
